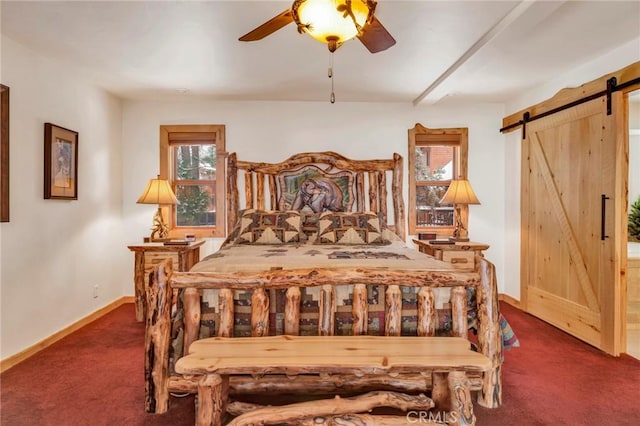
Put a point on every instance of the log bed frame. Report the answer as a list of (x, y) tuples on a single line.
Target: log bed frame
[(371, 179)]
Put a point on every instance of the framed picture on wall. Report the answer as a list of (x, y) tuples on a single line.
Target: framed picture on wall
[(60, 163), (4, 153)]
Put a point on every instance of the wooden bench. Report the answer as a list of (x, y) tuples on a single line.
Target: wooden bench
[(443, 360)]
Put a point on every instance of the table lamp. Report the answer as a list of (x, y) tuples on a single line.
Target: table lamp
[(158, 191), (459, 193)]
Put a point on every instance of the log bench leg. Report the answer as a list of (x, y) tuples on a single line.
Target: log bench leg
[(461, 403), (452, 397), (213, 393)]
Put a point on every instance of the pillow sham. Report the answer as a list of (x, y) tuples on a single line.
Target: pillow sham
[(309, 222), (270, 227), (350, 228)]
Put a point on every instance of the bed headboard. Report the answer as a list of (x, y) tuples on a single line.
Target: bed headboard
[(345, 185)]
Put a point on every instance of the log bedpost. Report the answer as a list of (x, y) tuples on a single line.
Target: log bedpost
[(359, 310), (292, 311), (393, 314), (426, 312), (156, 340), (489, 336), (191, 301), (459, 311), (226, 308), (259, 313)]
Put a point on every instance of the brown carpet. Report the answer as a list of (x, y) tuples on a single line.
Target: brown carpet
[(95, 377)]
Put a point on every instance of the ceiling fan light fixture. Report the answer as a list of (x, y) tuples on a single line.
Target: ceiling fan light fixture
[(332, 21)]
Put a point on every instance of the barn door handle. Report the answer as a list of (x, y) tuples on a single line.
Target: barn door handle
[(603, 215)]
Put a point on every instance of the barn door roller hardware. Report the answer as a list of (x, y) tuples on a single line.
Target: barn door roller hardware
[(612, 86), (525, 118)]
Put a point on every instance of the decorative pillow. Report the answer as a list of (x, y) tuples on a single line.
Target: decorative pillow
[(309, 222), (270, 227), (350, 228), (233, 235)]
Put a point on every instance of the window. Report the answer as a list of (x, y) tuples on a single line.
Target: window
[(436, 156), (192, 158)]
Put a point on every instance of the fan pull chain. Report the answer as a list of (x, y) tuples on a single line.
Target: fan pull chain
[(333, 95)]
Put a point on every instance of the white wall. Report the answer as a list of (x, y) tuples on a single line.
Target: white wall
[(54, 252), (616, 59), (272, 131)]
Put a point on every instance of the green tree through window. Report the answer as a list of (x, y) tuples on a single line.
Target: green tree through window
[(195, 184), (192, 158)]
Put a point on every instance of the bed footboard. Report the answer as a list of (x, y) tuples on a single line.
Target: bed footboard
[(162, 296)]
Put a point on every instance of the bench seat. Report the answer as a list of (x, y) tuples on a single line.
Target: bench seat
[(445, 360)]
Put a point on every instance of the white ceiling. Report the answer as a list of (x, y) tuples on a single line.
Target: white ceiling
[(455, 50)]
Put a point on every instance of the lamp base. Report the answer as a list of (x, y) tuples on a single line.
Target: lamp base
[(160, 230), (459, 239)]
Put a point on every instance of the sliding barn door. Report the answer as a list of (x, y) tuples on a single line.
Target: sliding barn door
[(573, 189)]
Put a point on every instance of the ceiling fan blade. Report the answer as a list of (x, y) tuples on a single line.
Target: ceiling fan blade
[(271, 26), (375, 37)]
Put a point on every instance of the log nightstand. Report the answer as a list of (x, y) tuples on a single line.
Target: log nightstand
[(463, 255), (148, 255)]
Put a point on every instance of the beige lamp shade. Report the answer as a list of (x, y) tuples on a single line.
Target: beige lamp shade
[(460, 192), (158, 191)]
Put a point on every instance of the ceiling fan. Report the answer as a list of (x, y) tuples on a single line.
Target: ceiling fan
[(332, 22)]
